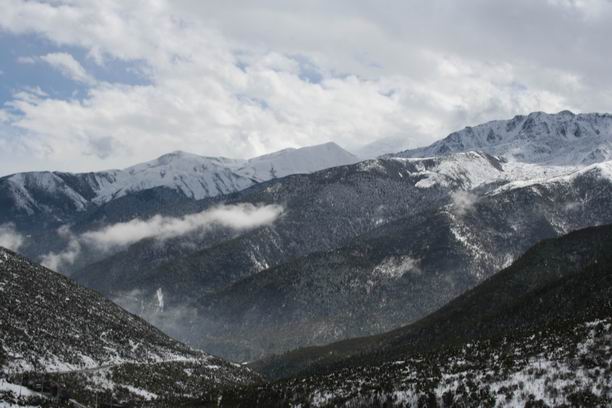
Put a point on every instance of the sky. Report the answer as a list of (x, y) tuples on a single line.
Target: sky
[(96, 84)]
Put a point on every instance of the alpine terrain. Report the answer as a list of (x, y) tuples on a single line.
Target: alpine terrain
[(59, 341), (537, 333), (39, 203), (452, 274), (257, 204), (367, 247)]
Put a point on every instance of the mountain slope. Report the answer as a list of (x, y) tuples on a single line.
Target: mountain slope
[(324, 210), (553, 139), (557, 279), (50, 325), (562, 364), (536, 333), (395, 274)]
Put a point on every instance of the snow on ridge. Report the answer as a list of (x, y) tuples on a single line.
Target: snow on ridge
[(193, 175), (550, 175), (200, 177), (23, 184), (475, 169), (555, 139), (471, 168)]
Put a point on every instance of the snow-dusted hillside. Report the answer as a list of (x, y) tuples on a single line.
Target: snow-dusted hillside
[(562, 139), (545, 369), (194, 176), (535, 334), (50, 326)]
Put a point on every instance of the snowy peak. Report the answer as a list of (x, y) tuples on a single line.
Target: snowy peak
[(296, 161), (564, 138), (200, 177), (194, 176), (38, 191)]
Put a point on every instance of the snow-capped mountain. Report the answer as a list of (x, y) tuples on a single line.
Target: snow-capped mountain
[(325, 209), (562, 139), (349, 232), (194, 176), (403, 236)]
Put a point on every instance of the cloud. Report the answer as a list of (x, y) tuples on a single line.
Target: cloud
[(175, 320), (10, 238), (463, 201), (238, 79), (236, 217), (55, 260), (116, 236), (68, 66), (26, 60)]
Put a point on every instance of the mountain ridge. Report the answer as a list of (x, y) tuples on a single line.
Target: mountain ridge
[(563, 138), (193, 175)]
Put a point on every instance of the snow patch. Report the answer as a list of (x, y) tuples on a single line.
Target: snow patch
[(394, 267)]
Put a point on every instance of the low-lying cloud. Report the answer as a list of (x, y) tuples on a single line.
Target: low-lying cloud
[(10, 238), (236, 217), (463, 201), (175, 320), (55, 260), (116, 236)]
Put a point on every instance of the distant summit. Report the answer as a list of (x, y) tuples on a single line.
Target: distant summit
[(190, 174), (561, 139)]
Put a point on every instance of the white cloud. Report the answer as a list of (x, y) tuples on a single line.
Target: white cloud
[(68, 66), (26, 60), (463, 201), (236, 217), (10, 238), (116, 236), (239, 79), (55, 260)]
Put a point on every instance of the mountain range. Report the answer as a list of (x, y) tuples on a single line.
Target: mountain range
[(38, 203), (558, 139), (397, 258), (194, 176), (357, 243)]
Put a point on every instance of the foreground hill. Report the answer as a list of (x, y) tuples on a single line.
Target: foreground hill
[(539, 330), (52, 328)]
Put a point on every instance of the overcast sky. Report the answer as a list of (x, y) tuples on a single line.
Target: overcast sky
[(96, 84)]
